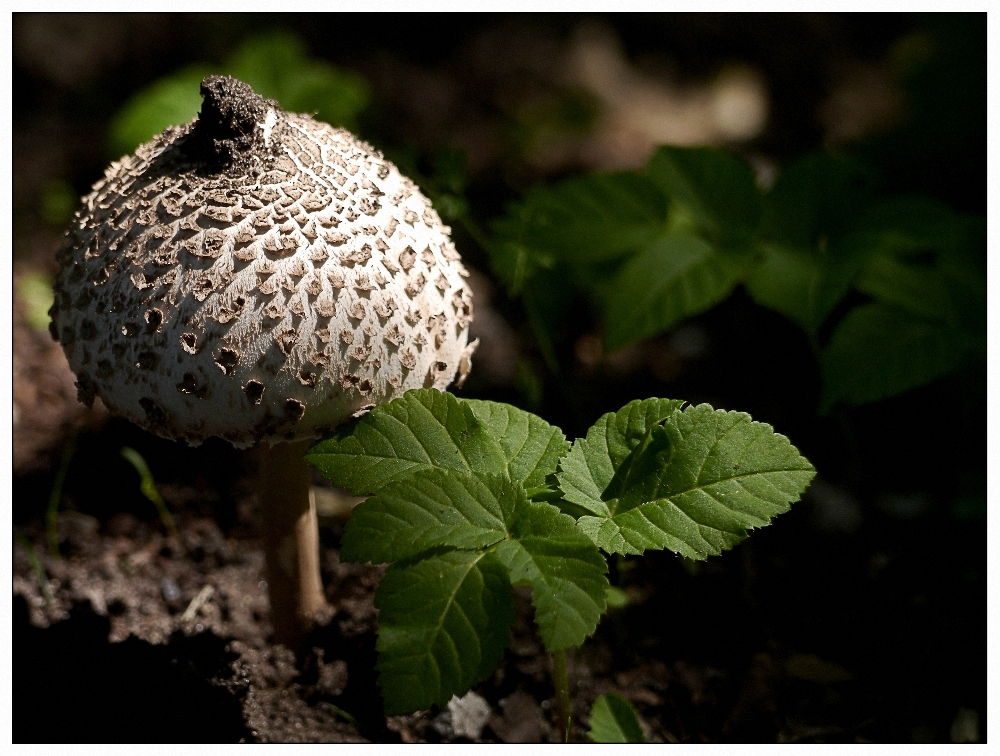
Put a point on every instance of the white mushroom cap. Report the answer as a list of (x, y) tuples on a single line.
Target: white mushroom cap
[(255, 275)]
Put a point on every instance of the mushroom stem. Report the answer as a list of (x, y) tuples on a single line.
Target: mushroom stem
[(291, 543)]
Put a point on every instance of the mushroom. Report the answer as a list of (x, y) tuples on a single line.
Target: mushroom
[(263, 277)]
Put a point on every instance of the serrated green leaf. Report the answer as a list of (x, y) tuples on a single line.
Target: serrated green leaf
[(566, 574), (443, 624), (440, 509), (428, 509), (614, 720), (714, 187), (674, 277), (532, 446), (592, 461), (694, 484), (879, 351), (802, 284), (422, 429), (818, 197)]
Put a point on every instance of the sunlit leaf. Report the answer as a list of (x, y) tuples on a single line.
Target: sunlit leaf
[(443, 624), (614, 720), (694, 483)]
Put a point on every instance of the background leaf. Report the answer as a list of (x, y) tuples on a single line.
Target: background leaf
[(819, 196), (566, 573), (171, 101), (443, 625), (587, 219), (614, 720), (674, 277), (277, 66), (805, 285), (879, 351), (695, 485), (713, 187), (422, 429)]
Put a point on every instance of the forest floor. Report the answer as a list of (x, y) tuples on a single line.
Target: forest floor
[(140, 637)]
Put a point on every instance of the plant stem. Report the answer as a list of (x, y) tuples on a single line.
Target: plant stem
[(36, 565), (55, 496), (561, 682), (291, 543)]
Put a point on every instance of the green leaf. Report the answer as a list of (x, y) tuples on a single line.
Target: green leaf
[(820, 196), (712, 187), (566, 573), (422, 429), (580, 221), (921, 290), (434, 509), (614, 720), (171, 101), (429, 509), (532, 446), (928, 261), (275, 65), (802, 284), (590, 466), (278, 67), (694, 484), (443, 625), (879, 351), (674, 277)]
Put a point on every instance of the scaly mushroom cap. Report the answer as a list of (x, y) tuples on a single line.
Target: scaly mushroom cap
[(255, 275)]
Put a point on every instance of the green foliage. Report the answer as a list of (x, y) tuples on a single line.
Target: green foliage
[(170, 101), (459, 505), (35, 292), (713, 189), (276, 65), (614, 720), (651, 249), (57, 203), (427, 429), (693, 482), (443, 624), (879, 351), (673, 278)]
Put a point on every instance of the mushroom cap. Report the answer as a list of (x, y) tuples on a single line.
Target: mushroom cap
[(257, 275)]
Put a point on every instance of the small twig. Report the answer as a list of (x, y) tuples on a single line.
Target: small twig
[(55, 496), (196, 603)]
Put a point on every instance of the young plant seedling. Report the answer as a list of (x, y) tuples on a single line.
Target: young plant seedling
[(260, 276), (469, 498), (148, 487)]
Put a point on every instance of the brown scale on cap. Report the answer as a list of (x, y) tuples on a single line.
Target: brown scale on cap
[(259, 228)]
